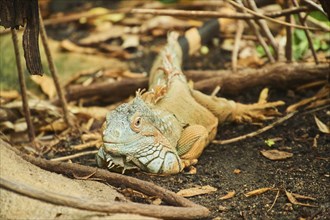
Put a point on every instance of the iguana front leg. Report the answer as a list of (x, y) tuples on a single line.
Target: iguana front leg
[(228, 110), (190, 146)]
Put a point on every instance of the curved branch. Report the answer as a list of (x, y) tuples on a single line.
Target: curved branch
[(188, 209), (109, 207)]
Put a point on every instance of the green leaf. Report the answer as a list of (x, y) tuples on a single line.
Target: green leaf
[(324, 45), (316, 44), (318, 15), (261, 52), (270, 142)]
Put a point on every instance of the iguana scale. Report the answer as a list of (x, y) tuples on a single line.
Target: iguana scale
[(166, 129)]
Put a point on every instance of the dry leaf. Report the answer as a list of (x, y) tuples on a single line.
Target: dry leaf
[(58, 125), (70, 46), (276, 154), (237, 171), (91, 136), (12, 94), (6, 125), (115, 31), (322, 93), (200, 190), (157, 201), (130, 41), (253, 61), (298, 196), (46, 84), (322, 127), (166, 22), (89, 112), (229, 195), (294, 201), (257, 191)]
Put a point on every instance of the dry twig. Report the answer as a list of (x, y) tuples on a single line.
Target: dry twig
[(21, 78), (264, 27), (255, 133), (269, 18), (53, 71), (254, 27), (310, 43), (74, 156), (214, 14), (86, 145), (238, 37), (276, 197), (288, 46)]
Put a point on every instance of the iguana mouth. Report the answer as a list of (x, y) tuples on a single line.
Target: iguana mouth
[(122, 143)]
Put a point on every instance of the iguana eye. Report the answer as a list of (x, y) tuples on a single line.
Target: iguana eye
[(136, 123)]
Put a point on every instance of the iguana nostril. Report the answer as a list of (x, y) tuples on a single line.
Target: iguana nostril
[(116, 133)]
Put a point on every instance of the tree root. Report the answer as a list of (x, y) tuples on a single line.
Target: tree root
[(188, 209)]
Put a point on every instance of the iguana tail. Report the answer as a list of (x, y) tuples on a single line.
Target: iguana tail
[(178, 49)]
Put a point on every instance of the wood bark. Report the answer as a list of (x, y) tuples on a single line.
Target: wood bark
[(279, 75)]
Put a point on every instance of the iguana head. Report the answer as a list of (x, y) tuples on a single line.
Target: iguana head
[(133, 138), (128, 127)]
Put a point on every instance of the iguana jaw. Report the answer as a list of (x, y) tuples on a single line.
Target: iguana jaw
[(127, 147)]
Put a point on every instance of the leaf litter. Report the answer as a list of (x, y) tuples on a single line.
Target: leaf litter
[(195, 191)]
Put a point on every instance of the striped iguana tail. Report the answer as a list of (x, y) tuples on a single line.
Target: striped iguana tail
[(179, 49)]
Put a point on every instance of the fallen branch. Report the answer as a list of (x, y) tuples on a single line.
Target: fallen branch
[(112, 91), (108, 207), (188, 210), (279, 75), (255, 133), (214, 14)]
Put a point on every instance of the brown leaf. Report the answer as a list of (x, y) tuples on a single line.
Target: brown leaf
[(165, 22), (70, 46), (229, 195), (115, 31), (257, 191), (89, 112), (237, 171), (46, 84), (12, 94), (200, 190), (298, 196), (58, 125), (322, 127), (294, 201), (276, 154), (157, 201), (130, 41)]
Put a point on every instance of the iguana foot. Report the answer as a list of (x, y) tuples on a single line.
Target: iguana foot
[(260, 111)]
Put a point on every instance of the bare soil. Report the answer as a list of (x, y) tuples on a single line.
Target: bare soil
[(306, 173)]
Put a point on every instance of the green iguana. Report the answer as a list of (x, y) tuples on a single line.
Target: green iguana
[(166, 129)]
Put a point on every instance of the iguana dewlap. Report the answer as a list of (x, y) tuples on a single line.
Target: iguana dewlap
[(166, 129)]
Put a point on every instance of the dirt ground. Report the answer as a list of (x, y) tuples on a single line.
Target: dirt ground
[(306, 173)]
